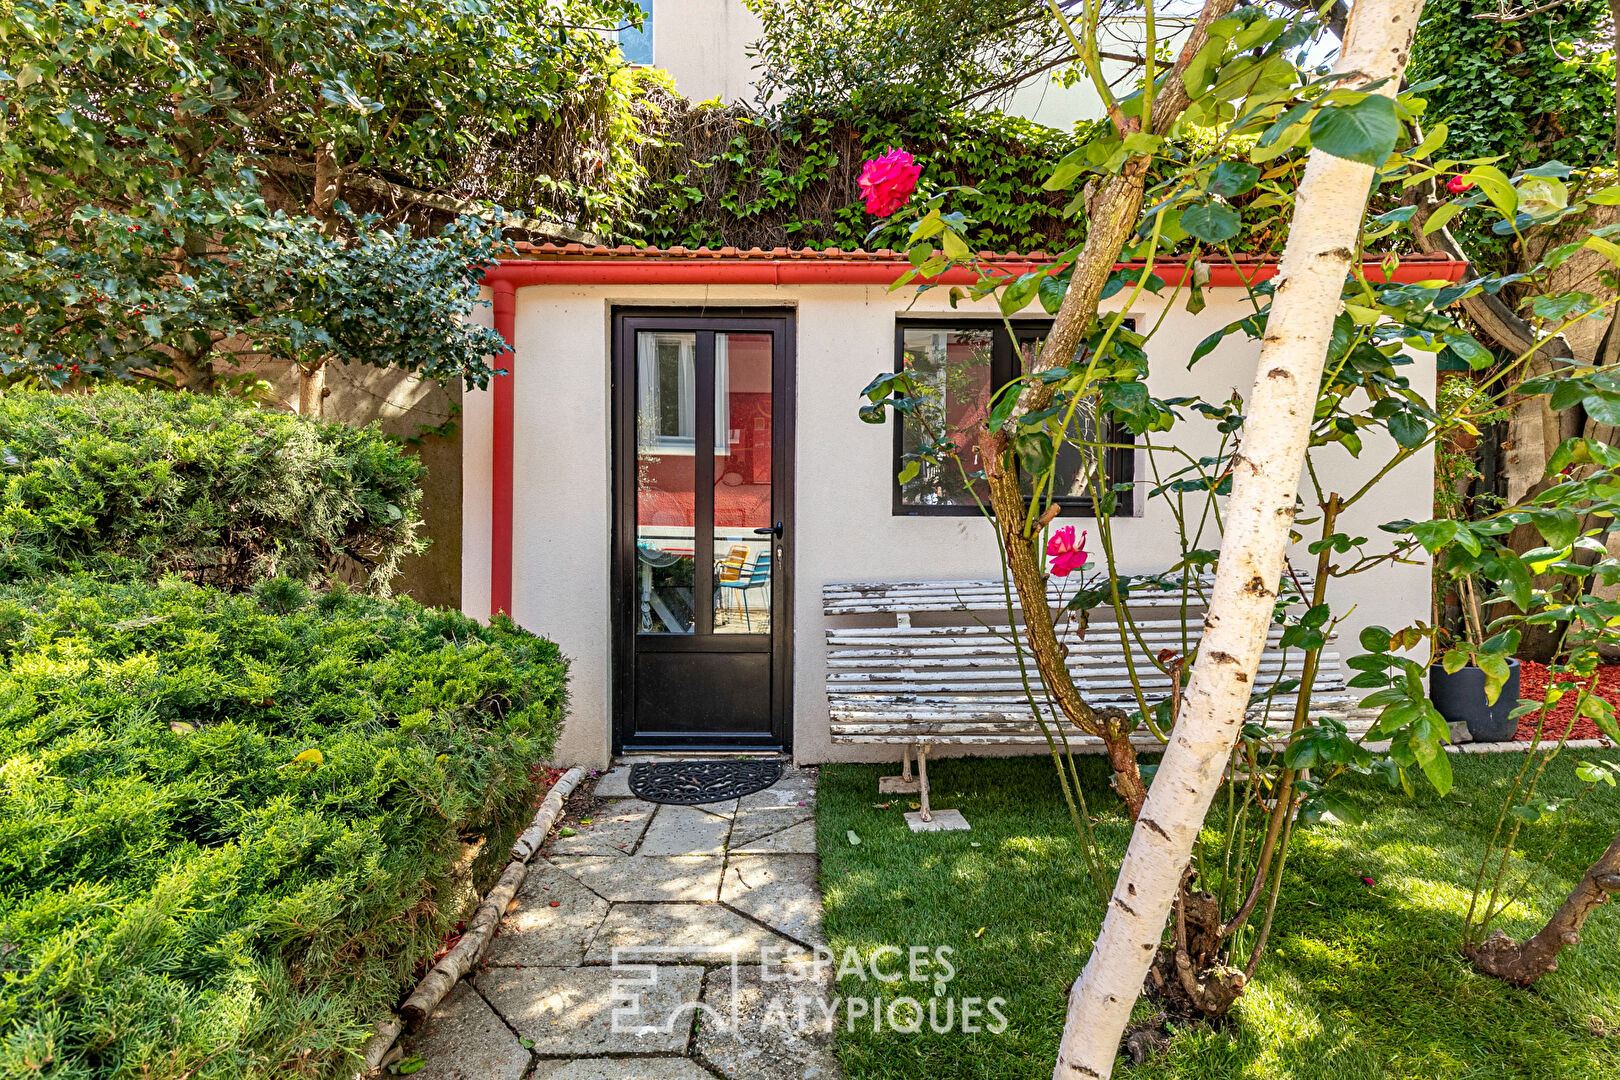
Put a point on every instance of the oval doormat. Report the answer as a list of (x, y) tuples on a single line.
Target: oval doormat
[(687, 783)]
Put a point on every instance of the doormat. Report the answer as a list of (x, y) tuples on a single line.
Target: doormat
[(687, 783)]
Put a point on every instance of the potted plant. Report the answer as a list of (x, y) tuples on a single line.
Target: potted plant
[(1457, 681)]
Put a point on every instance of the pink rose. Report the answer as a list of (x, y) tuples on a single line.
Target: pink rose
[(1458, 184), (1066, 555), (888, 182)]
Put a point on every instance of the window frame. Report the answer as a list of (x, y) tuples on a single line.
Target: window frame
[(1003, 365)]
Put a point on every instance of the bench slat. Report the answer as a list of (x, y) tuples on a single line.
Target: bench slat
[(962, 684), (874, 597)]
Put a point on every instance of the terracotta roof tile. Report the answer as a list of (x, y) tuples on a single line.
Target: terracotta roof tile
[(602, 251)]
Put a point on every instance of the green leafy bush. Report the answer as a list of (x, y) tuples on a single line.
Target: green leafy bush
[(727, 176), (141, 484), (232, 825)]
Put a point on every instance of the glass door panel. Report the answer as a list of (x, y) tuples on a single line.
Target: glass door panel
[(744, 538), (666, 481)]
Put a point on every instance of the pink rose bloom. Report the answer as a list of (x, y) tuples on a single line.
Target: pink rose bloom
[(1066, 555), (888, 182), (1458, 184)]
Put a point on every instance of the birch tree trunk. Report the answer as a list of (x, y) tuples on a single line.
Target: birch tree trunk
[(1322, 242)]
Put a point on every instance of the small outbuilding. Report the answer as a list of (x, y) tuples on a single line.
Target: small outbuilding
[(679, 425)]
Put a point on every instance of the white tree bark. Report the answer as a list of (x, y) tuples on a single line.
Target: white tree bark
[(1331, 202)]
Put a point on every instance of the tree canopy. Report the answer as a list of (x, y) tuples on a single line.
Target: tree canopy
[(285, 178), (894, 54)]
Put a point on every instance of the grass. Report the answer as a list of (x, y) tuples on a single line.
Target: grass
[(1361, 982)]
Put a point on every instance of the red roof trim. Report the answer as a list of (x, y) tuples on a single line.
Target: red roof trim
[(577, 264)]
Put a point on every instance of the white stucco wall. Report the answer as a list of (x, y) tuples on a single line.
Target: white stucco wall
[(845, 528), (704, 45)]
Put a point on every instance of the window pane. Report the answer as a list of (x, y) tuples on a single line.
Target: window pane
[(953, 370), (1075, 464), (637, 45)]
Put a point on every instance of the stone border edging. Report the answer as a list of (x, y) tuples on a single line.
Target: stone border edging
[(475, 940)]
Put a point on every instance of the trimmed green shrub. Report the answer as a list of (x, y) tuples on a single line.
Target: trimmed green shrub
[(143, 483), (233, 825)]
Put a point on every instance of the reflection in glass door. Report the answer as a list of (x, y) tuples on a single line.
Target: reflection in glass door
[(666, 425), (744, 536), (702, 655)]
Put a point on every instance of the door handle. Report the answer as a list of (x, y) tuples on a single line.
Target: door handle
[(770, 530)]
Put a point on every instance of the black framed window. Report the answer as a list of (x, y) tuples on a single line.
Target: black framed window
[(962, 362)]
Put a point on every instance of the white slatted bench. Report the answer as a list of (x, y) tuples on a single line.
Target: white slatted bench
[(920, 664)]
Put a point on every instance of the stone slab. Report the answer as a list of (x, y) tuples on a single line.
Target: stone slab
[(898, 785), (944, 821), (725, 808), (646, 878), (685, 830), (769, 1041), (685, 933), (795, 786), (569, 1012), (614, 784), (615, 829), (797, 839), (752, 825), (463, 1039), (671, 1068), (539, 934), (778, 890)]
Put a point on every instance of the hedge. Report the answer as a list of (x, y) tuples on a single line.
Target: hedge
[(137, 483), (233, 826)]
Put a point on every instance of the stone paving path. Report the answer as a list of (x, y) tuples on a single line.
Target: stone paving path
[(718, 901)]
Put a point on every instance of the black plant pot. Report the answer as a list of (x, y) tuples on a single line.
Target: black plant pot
[(1460, 697)]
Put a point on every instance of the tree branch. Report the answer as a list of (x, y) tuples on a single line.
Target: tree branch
[(1505, 16), (449, 204)]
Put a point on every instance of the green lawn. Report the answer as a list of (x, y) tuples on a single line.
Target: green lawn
[(1362, 982)]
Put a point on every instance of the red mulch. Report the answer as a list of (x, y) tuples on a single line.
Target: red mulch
[(1533, 684), (545, 774)]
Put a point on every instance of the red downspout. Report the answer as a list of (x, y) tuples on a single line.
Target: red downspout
[(500, 541)]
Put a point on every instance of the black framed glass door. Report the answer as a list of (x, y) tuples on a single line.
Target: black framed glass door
[(702, 529)]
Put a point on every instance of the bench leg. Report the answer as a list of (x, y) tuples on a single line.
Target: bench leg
[(922, 781), (925, 821), (905, 783)]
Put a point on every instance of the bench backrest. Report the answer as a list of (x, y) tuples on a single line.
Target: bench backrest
[(942, 651)]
